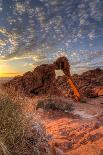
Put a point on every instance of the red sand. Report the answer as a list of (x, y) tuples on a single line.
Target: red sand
[(79, 132)]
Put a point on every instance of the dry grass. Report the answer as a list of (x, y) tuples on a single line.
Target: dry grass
[(11, 127), (17, 135), (55, 103)]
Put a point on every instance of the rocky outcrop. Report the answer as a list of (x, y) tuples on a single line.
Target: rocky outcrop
[(40, 81), (97, 91), (63, 64), (90, 83)]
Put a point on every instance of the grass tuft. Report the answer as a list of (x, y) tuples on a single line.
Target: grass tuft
[(18, 136), (11, 127), (55, 104)]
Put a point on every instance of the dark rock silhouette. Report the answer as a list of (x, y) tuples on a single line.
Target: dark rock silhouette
[(63, 64)]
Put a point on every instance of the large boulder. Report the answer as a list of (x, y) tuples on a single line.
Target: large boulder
[(98, 91), (90, 83), (15, 84), (39, 81)]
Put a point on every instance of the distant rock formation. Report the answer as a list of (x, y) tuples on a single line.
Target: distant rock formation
[(40, 81), (90, 83), (43, 81)]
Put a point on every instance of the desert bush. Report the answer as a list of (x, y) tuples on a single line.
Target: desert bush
[(17, 135), (11, 127), (55, 104), (83, 100), (38, 139)]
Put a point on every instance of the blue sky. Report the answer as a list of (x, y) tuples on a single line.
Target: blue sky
[(33, 32)]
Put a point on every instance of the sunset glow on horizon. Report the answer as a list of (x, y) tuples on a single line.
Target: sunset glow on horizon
[(7, 71), (34, 32)]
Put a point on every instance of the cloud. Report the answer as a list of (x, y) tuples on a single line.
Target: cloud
[(96, 9), (52, 23), (38, 31), (91, 35), (2, 42), (36, 56), (20, 7)]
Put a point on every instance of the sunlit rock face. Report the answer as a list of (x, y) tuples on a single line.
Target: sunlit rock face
[(44, 79), (90, 83), (40, 81)]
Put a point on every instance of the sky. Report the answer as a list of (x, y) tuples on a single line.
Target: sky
[(33, 32)]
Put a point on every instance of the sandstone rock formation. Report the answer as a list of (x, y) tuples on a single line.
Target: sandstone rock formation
[(63, 64), (90, 83), (42, 81)]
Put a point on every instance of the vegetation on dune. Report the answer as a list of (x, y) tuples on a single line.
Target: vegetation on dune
[(11, 127)]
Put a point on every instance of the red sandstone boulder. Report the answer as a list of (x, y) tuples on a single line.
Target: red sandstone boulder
[(40, 81), (98, 91), (88, 83)]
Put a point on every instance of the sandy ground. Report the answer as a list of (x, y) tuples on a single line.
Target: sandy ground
[(79, 132)]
